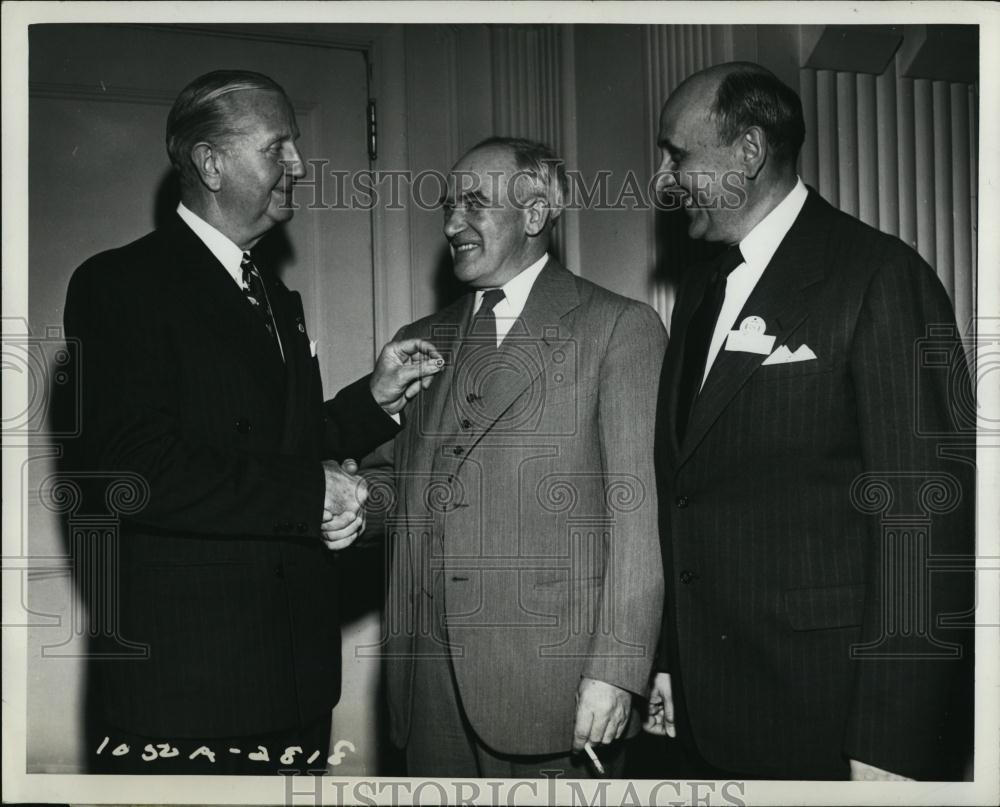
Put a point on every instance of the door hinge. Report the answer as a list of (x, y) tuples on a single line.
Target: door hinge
[(372, 130)]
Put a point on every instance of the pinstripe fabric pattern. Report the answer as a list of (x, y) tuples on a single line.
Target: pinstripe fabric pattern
[(773, 572), (222, 573), (535, 502)]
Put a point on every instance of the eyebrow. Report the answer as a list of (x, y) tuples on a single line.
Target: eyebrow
[(468, 196), (664, 143)]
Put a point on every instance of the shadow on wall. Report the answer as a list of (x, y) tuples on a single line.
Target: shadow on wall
[(676, 251), (447, 288)]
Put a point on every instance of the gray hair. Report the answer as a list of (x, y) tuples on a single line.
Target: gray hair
[(537, 161), (204, 112), (751, 95)]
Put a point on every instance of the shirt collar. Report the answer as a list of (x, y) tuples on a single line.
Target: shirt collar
[(517, 289), (224, 250), (760, 244)]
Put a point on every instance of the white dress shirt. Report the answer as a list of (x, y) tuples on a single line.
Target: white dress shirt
[(516, 292), (758, 247), (224, 250)]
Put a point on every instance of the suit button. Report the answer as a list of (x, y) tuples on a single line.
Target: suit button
[(457, 450), (279, 572), (682, 501), (301, 527), (466, 423), (687, 576), (243, 426)]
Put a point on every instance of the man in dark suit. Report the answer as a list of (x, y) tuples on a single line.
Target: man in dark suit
[(201, 386), (525, 581), (803, 636)]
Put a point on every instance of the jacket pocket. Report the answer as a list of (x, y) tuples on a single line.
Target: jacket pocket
[(827, 607)]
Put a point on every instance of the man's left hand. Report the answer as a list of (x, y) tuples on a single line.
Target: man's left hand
[(863, 772), (602, 711), (402, 370)]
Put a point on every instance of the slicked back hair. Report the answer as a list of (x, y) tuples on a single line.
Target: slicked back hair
[(751, 95), (204, 112)]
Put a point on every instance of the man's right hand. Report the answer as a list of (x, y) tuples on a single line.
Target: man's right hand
[(343, 504), (402, 370), (660, 717)]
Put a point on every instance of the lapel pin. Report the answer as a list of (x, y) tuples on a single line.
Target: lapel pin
[(753, 326)]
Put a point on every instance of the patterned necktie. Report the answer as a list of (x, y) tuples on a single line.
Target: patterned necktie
[(700, 330), (484, 324), (253, 287)]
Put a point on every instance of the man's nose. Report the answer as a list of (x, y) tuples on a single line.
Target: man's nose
[(454, 221), (666, 176), (294, 164)]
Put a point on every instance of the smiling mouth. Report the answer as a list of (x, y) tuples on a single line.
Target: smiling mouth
[(464, 249)]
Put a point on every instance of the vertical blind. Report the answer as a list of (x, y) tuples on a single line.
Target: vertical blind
[(901, 155), (527, 90)]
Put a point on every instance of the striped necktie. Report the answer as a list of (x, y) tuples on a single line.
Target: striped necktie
[(253, 288)]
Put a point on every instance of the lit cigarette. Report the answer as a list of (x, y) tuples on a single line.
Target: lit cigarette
[(593, 757)]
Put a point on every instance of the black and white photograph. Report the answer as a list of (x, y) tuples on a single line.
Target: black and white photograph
[(490, 403)]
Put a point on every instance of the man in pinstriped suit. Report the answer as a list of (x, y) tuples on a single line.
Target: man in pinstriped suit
[(790, 400), (199, 378)]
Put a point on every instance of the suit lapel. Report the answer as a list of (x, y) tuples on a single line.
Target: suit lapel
[(447, 329), (687, 301), (781, 301), (299, 368), (528, 347), (220, 304)]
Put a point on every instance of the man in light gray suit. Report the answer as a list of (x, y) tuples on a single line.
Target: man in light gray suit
[(525, 580)]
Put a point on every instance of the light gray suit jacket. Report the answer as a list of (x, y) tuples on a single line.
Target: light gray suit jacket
[(524, 492)]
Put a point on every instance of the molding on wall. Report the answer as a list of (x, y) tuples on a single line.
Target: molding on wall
[(391, 258)]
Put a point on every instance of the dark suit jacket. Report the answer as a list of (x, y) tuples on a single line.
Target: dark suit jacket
[(222, 573), (773, 545), (526, 498)]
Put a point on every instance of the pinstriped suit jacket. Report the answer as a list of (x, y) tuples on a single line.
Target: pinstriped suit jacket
[(222, 573), (775, 570)]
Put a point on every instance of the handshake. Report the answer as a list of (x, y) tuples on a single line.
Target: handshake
[(343, 504), (403, 369)]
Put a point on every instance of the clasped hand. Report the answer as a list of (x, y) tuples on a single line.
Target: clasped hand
[(343, 504)]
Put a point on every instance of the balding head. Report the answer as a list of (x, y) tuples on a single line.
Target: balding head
[(738, 95), (730, 137)]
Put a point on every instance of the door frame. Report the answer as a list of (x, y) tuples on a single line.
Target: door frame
[(383, 48)]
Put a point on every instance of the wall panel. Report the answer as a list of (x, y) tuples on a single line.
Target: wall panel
[(900, 154)]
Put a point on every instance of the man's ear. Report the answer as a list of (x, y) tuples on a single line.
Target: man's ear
[(205, 158), (536, 216), (753, 150)]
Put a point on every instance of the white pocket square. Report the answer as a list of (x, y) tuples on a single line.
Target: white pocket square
[(785, 356)]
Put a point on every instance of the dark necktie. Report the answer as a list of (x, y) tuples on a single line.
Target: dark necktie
[(484, 324), (253, 287), (699, 335)]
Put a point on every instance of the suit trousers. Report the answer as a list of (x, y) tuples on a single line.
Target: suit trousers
[(442, 742)]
